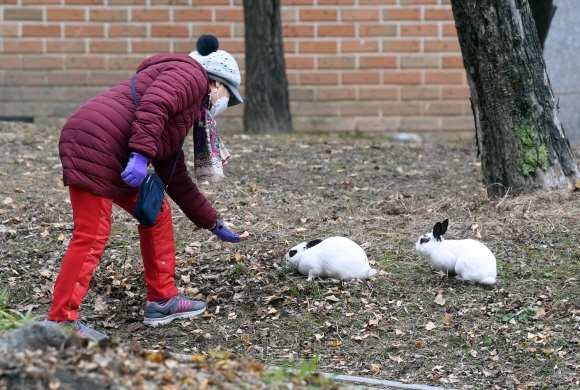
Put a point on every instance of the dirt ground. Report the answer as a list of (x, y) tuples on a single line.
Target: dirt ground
[(406, 324)]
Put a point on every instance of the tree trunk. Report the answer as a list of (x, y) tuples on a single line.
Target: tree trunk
[(519, 135), (267, 107), (542, 11)]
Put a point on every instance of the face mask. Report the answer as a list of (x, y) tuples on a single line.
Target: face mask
[(219, 106)]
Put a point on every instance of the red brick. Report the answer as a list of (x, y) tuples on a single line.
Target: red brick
[(127, 30), (301, 94), (108, 15), (66, 14), (210, 2), (10, 2), (319, 109), (67, 78), (360, 14), (28, 79), (377, 30), (184, 46), (420, 124), (377, 61), (126, 2), (219, 30), (449, 30), (191, 15), (318, 78), (378, 93), (65, 46), (438, 14), (290, 46), (24, 14), (452, 61), (229, 14), (296, 2), (22, 46), (151, 46), (458, 123), (292, 78), (419, 61), (441, 45), (443, 108), (233, 46), (401, 108), (39, 30), (318, 46), (318, 14), (169, 30), (150, 14), (40, 2), (401, 77), (443, 77), (336, 62), (455, 93), (360, 109), (84, 30), (239, 30), (85, 62), (107, 78), (422, 30), (85, 2), (401, 45), (108, 46), (420, 93), (43, 62), (289, 15), (365, 77), (336, 93), (299, 62), (298, 30), (359, 45), (8, 30), (336, 30), (402, 14), (128, 62), (335, 2), (377, 2), (410, 2), (172, 3), (10, 62)]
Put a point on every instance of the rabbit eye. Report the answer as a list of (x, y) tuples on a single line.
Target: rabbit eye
[(424, 240), (292, 253)]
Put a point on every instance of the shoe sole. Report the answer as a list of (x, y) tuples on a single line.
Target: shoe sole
[(166, 320)]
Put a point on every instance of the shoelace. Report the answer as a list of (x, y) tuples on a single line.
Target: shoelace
[(183, 304)]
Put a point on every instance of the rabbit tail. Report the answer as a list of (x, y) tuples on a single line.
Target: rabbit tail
[(372, 272), (489, 280)]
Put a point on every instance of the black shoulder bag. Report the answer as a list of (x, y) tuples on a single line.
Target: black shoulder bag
[(152, 190)]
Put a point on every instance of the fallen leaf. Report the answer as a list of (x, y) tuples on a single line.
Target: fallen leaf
[(7, 200), (185, 278), (45, 273), (245, 338), (439, 300), (399, 332), (430, 326), (375, 368), (301, 229), (396, 358), (540, 312), (447, 319), (332, 298), (318, 336)]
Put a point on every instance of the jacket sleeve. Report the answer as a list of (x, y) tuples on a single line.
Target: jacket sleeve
[(174, 89), (185, 192)]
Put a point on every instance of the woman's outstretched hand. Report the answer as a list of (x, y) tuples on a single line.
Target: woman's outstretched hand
[(226, 234)]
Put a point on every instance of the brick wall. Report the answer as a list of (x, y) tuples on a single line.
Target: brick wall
[(353, 65)]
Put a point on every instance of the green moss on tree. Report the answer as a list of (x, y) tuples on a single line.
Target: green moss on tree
[(534, 156)]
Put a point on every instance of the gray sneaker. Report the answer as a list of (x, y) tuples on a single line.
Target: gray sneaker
[(81, 328), (163, 312)]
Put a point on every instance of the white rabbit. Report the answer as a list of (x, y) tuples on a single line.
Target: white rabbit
[(335, 257), (469, 259)]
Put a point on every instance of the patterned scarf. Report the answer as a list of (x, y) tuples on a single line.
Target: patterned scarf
[(211, 155)]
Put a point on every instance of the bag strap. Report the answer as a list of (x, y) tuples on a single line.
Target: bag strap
[(136, 101)]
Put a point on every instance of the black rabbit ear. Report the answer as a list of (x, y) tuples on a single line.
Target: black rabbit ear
[(437, 231), (444, 226), (312, 243)]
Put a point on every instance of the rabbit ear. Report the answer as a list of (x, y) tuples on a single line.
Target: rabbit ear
[(437, 231), (312, 243), (444, 226)]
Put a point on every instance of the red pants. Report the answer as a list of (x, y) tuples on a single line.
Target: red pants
[(92, 226)]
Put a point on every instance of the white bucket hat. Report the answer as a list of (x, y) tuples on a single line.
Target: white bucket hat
[(219, 65)]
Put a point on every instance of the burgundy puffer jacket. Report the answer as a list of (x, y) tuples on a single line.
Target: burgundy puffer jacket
[(97, 139)]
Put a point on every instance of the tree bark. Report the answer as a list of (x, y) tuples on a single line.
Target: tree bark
[(521, 141), (542, 11), (267, 107)]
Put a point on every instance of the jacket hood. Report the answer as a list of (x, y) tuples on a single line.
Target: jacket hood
[(161, 58)]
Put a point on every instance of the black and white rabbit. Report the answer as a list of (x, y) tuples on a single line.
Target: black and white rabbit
[(335, 257), (469, 259)]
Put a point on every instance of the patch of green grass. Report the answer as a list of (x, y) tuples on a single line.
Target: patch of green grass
[(11, 319)]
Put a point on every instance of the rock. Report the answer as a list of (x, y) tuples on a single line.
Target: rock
[(33, 336)]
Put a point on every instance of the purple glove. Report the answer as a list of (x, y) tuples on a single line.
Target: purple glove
[(224, 233), (136, 170)]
